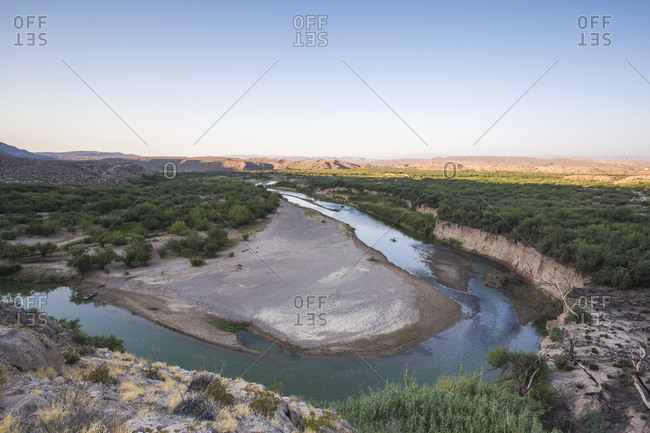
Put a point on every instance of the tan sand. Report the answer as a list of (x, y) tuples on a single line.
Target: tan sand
[(303, 282)]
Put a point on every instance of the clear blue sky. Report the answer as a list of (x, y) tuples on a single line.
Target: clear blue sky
[(450, 69)]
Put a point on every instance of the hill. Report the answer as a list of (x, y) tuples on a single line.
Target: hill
[(8, 150), (91, 174)]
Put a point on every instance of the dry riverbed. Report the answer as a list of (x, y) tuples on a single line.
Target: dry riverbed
[(303, 281)]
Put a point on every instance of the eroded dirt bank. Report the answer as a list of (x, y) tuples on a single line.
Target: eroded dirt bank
[(523, 260)]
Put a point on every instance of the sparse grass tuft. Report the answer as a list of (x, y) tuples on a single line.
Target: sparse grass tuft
[(11, 424), (46, 372), (225, 422), (75, 412)]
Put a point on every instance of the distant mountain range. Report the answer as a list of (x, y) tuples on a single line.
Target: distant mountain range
[(83, 155), (623, 165)]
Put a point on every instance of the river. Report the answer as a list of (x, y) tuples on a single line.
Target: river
[(489, 321)]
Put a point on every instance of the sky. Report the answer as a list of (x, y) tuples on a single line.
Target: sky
[(198, 78)]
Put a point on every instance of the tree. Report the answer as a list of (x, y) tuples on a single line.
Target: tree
[(180, 228), (46, 248), (81, 262), (104, 256), (138, 251), (240, 215)]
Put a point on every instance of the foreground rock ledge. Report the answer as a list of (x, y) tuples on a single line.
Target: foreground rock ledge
[(136, 396)]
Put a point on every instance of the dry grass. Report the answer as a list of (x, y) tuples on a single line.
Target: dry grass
[(75, 412), (242, 410), (116, 368), (225, 422), (128, 390), (48, 372), (128, 357), (73, 372), (173, 399), (11, 424), (151, 398), (170, 384)]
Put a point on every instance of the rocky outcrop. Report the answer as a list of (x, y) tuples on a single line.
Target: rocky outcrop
[(522, 259), (24, 350), (117, 392)]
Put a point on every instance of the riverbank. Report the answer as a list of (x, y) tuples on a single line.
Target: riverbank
[(303, 281)]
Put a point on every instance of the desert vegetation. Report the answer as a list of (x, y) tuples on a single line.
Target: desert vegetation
[(197, 210)]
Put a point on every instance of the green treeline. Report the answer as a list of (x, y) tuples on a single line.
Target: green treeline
[(603, 231)]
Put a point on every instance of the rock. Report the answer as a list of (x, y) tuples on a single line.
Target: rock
[(24, 350), (258, 425), (292, 413), (24, 404)]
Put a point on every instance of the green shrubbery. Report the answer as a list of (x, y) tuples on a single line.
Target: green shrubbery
[(110, 342), (458, 404), (556, 334), (524, 373), (197, 206)]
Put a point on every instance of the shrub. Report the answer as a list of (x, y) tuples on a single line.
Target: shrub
[(593, 367), (453, 405), (592, 422), (100, 375), (623, 363), (218, 392), (197, 261), (152, 373), (138, 252), (71, 356), (163, 252), (196, 405), (327, 421), (180, 228), (525, 373), (200, 382), (111, 342), (10, 269), (556, 334), (264, 403), (562, 363)]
